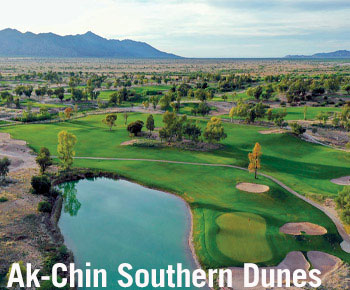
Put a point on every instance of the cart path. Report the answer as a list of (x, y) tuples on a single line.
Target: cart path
[(346, 238)]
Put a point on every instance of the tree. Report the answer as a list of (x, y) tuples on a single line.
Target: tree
[(347, 89), (192, 130), (232, 113), (154, 100), (165, 102), (173, 126), (269, 115), (145, 104), (254, 160), (322, 117), (214, 131), (65, 148), (305, 112), (126, 118), (150, 123), (43, 159), (68, 112), (201, 95), (4, 167), (110, 120), (59, 92), (258, 92), (135, 127)]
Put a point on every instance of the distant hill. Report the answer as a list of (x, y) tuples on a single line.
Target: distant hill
[(13, 43), (335, 54)]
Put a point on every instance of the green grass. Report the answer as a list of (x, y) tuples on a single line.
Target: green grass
[(247, 230), (297, 113), (151, 89), (305, 167), (216, 195), (211, 191)]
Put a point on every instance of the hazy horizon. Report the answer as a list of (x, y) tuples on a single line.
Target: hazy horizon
[(195, 28)]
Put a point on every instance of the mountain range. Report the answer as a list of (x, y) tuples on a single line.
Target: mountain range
[(14, 43), (334, 54)]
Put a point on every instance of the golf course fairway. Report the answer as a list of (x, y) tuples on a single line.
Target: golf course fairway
[(211, 191)]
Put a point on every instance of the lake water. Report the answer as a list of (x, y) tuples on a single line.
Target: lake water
[(108, 222)]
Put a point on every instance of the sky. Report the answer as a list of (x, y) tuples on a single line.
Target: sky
[(194, 28)]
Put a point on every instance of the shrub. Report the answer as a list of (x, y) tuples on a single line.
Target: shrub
[(48, 285), (3, 199), (297, 129), (44, 206), (23, 270), (343, 203), (41, 185)]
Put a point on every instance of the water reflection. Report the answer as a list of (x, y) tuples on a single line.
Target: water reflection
[(71, 204)]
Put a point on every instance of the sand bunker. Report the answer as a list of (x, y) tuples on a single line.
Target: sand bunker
[(323, 261), (345, 180), (273, 131), (293, 261), (297, 229), (130, 142), (252, 187)]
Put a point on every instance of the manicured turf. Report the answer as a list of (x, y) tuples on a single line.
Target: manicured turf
[(297, 113), (211, 191), (303, 166), (247, 230), (215, 195)]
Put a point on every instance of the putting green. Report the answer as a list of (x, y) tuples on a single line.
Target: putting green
[(247, 230)]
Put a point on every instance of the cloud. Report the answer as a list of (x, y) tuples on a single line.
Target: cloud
[(210, 28)]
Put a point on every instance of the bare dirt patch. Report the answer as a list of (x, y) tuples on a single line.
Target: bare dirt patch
[(345, 180), (252, 187), (297, 229), (273, 131), (20, 155)]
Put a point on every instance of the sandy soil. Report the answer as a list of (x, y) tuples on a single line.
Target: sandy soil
[(252, 187), (345, 180), (273, 131), (17, 151), (308, 228)]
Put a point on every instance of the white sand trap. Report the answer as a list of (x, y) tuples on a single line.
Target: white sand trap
[(273, 131), (345, 180), (297, 229), (252, 187)]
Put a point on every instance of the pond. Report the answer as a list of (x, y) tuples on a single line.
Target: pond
[(110, 222)]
